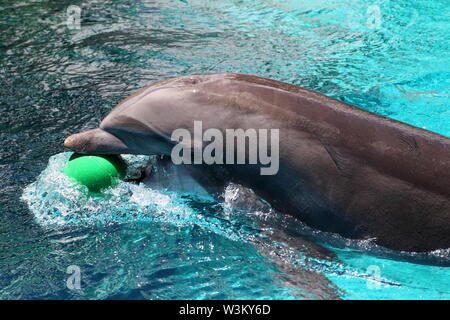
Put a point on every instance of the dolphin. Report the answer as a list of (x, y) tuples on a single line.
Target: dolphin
[(341, 169)]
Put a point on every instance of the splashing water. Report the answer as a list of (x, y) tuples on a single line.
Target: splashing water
[(56, 200), (136, 242), (307, 263)]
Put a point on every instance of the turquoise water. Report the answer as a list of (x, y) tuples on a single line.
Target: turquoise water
[(135, 242)]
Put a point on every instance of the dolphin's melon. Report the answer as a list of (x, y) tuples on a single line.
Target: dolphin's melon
[(96, 172)]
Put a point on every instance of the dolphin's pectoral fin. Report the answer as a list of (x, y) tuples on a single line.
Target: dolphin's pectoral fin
[(296, 264), (96, 141)]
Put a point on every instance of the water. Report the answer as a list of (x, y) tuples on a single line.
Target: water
[(389, 57)]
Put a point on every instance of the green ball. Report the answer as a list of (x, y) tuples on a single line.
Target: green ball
[(96, 172)]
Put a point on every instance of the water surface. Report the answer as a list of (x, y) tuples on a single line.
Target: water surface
[(388, 57)]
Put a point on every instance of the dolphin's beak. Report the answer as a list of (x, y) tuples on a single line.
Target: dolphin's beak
[(96, 141)]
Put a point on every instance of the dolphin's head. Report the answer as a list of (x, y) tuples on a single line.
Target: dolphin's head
[(141, 124), (128, 129), (144, 122), (96, 141), (118, 140)]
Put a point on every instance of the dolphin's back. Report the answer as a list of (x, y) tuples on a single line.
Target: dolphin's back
[(388, 179), (338, 163), (412, 154)]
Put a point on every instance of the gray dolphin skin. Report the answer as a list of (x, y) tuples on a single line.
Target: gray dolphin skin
[(341, 169)]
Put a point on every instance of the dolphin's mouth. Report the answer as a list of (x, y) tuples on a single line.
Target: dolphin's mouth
[(96, 141)]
